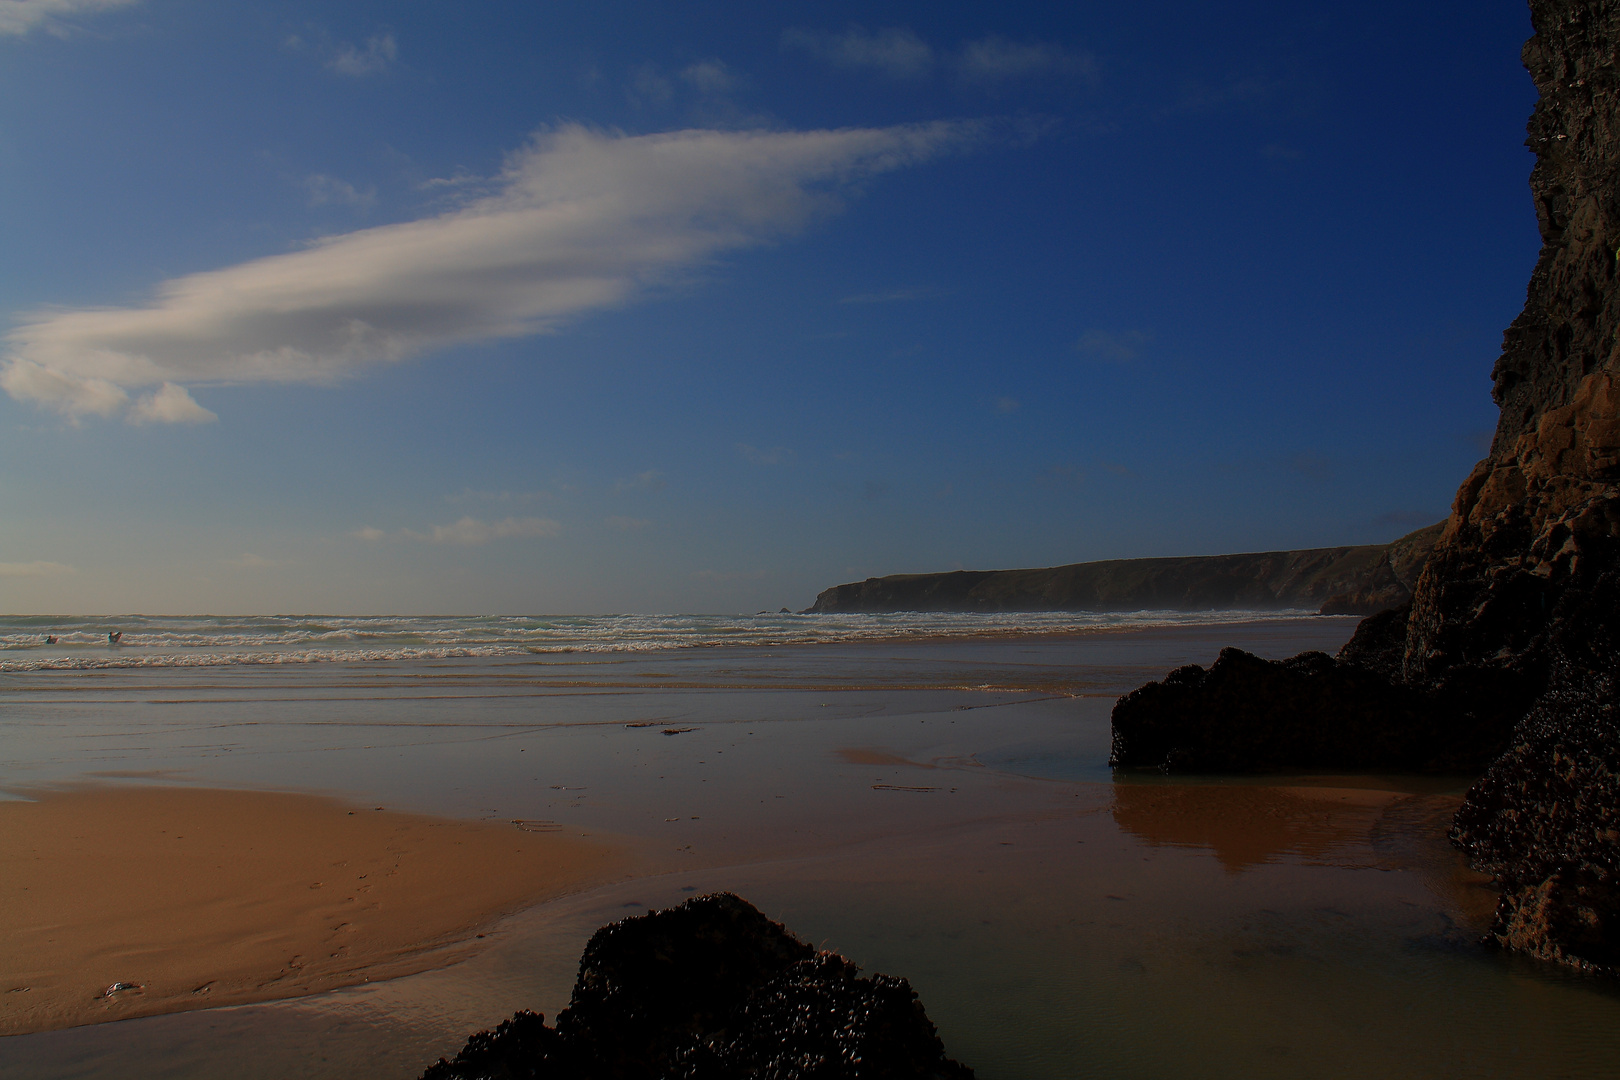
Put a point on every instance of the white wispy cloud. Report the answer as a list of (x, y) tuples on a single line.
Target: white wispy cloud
[(327, 190), (776, 455), (651, 480), (581, 220), (379, 51), (52, 16), (898, 52), (470, 495), (649, 89), (468, 532), (34, 569), (471, 531), (709, 77), (895, 51), (996, 59), (889, 297), (1120, 347)]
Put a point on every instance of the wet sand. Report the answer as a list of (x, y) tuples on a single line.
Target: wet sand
[(197, 898), (942, 812)]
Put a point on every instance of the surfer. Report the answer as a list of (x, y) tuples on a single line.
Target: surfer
[(114, 638), (50, 639)]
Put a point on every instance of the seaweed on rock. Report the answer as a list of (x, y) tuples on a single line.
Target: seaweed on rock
[(713, 990)]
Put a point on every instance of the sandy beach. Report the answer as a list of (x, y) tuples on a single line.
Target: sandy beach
[(194, 898), (941, 810)]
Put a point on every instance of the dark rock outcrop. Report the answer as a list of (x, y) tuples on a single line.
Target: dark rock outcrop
[(1339, 580), (713, 990), (1516, 614), (1545, 818), (1246, 714)]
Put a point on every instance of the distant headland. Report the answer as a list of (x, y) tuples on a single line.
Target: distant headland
[(1360, 580)]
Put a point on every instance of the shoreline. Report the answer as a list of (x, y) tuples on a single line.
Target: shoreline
[(197, 898)]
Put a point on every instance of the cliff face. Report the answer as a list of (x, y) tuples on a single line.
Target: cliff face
[(1510, 647), (1523, 589), (1545, 499), (1342, 580)]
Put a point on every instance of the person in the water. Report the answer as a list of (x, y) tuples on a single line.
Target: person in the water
[(50, 639), (114, 638)]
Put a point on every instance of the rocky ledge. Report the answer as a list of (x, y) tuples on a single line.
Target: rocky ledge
[(1513, 633), (713, 990)]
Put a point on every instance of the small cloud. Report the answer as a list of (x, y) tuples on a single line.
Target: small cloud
[(34, 569), (1120, 348), (1006, 405), (1064, 476), (169, 404), (458, 179), (718, 575), (249, 561), (1313, 467), (709, 77), (472, 532), (703, 91), (1119, 470), (651, 480), (776, 455), (1408, 519), (626, 524), (900, 54), (379, 52), (21, 16), (895, 51), (1203, 97), (469, 495), (649, 89), (327, 190), (368, 533), (890, 297), (995, 59)]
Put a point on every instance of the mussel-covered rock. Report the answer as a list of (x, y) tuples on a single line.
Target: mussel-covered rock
[(713, 990)]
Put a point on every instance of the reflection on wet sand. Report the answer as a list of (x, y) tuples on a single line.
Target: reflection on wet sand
[(1360, 827), (1245, 825)]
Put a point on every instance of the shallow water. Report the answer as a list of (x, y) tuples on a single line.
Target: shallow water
[(939, 809)]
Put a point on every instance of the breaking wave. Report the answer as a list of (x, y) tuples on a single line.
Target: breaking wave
[(214, 641)]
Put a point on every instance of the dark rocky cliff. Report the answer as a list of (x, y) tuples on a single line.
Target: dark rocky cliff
[(1512, 640), (1525, 581), (1340, 580)]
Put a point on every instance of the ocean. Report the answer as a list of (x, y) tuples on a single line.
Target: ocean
[(81, 642), (928, 794)]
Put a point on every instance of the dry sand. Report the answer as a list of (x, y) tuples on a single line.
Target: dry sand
[(200, 898)]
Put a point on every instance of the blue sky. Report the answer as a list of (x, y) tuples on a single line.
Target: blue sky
[(534, 307)]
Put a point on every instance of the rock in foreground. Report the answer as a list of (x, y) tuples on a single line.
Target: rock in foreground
[(713, 990)]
